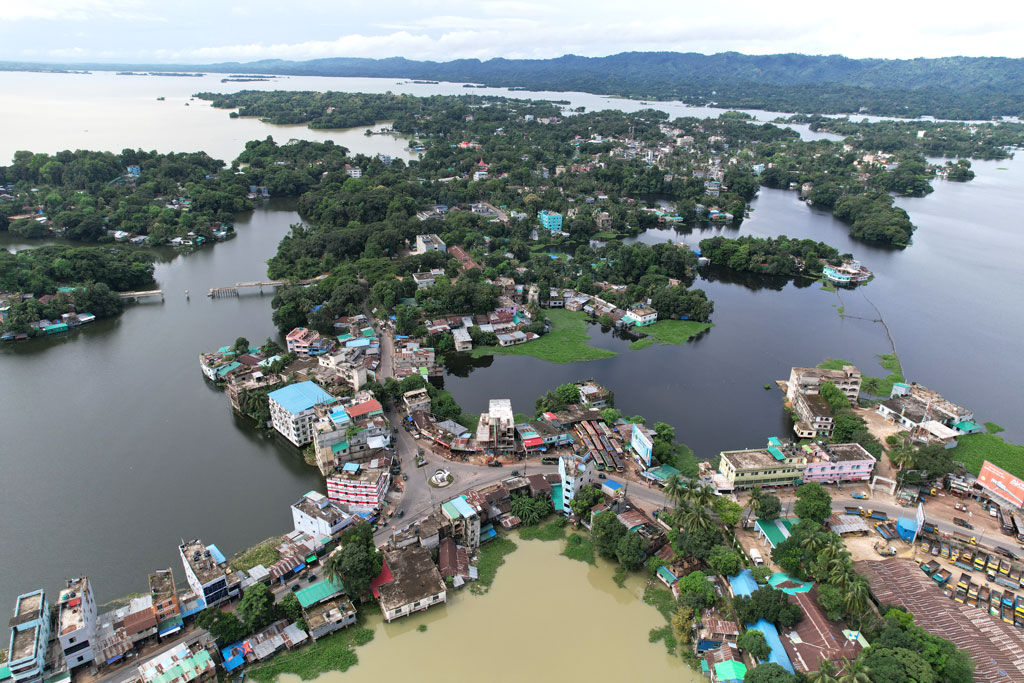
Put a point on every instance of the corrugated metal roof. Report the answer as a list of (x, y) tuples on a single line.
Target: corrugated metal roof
[(301, 396), (318, 592)]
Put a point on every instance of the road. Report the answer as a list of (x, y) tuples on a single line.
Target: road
[(129, 670)]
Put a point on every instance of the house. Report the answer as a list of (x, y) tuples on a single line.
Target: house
[(839, 462), (319, 516), (496, 432), (360, 488), (640, 315), (927, 415), (30, 634), (550, 220), (775, 465), (206, 572), (815, 416), (411, 582), (512, 338), (464, 521), (305, 342), (463, 342), (292, 410), (724, 664), (165, 602), (327, 617), (453, 560), (431, 242), (417, 399), (593, 395), (815, 638), (575, 472), (76, 622), (809, 381), (182, 664)]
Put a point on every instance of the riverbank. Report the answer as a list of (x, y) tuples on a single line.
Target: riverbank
[(565, 343)]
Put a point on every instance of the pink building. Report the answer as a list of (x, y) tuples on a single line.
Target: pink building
[(839, 462), (305, 342)]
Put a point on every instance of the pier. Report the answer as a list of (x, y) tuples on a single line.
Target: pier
[(234, 290), (135, 296)]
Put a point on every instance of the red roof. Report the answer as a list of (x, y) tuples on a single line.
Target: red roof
[(382, 578), (530, 443), (371, 406)]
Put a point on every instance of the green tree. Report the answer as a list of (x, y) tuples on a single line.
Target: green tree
[(769, 508), (753, 642), (813, 502), (223, 626), (357, 562), (834, 396), (826, 673), (607, 531), (830, 599), (729, 512), (610, 416), (768, 604), (568, 394), (696, 591), (769, 672), (630, 551), (585, 499), (241, 345), (257, 608), (761, 574), (725, 561)]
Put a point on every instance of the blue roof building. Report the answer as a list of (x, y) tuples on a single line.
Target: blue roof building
[(744, 584), (30, 633), (292, 410), (550, 220)]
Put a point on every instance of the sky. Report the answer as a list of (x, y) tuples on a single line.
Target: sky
[(205, 31)]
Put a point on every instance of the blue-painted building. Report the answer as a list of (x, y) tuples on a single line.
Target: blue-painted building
[(550, 220), (744, 584), (30, 633)]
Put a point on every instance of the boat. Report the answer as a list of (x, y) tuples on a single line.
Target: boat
[(849, 273)]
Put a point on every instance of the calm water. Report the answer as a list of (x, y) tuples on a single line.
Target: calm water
[(521, 641), (114, 448)]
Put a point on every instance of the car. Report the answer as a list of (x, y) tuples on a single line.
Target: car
[(405, 477), (311, 578), (993, 511), (401, 513), (601, 475), (515, 473), (295, 587)]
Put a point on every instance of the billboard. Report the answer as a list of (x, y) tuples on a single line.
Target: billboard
[(641, 445), (1002, 483)]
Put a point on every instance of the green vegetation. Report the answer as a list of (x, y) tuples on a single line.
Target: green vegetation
[(974, 449), (883, 386), (665, 635), (566, 343), (492, 556), (264, 553), (331, 653), (671, 332), (993, 428), (772, 256), (642, 343), (580, 548), (661, 599), (753, 642), (357, 562), (552, 531), (422, 628), (532, 510)]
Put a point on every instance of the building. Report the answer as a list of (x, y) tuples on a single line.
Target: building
[(417, 399), (205, 571), (347, 366), (575, 472), (166, 605), (776, 465), (76, 622), (809, 381), (318, 516), (550, 220), (431, 242), (593, 395), (30, 634), (814, 416), (327, 617), (512, 338), (292, 410), (330, 435), (925, 413), (463, 342), (839, 462), (182, 664), (410, 582), (464, 521), (360, 488), (305, 342), (412, 358), (496, 429), (640, 316)]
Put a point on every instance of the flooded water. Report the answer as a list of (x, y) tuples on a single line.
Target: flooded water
[(545, 618)]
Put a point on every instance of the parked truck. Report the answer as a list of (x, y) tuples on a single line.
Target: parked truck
[(881, 516), (755, 556)]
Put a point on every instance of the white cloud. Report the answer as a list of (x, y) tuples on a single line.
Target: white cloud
[(79, 10)]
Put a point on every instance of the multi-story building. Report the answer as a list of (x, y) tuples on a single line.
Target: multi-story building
[(575, 472), (464, 521), (30, 634), (463, 342), (431, 242), (809, 380), (360, 488), (76, 622), (778, 464), (417, 399), (190, 664), (318, 516), (205, 571), (165, 601), (640, 316), (496, 429), (814, 416), (411, 358), (550, 220), (593, 395), (913, 407), (305, 342), (839, 462), (292, 410), (347, 365), (412, 583)]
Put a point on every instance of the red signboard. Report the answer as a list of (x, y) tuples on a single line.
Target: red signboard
[(1002, 482)]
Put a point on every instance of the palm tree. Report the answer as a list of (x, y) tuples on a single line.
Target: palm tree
[(826, 673), (854, 671), (814, 543), (332, 566), (756, 496), (692, 519), (901, 457), (856, 599), (702, 495), (675, 489), (841, 576)]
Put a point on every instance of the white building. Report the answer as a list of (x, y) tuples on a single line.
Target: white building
[(640, 316), (464, 521), (76, 622), (431, 242), (496, 429), (318, 516), (360, 488), (416, 584), (346, 366), (205, 571), (575, 472), (463, 342), (292, 410), (809, 381)]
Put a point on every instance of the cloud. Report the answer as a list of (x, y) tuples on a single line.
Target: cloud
[(78, 10)]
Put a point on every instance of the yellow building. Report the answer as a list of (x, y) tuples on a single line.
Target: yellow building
[(778, 464)]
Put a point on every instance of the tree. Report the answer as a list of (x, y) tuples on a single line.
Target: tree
[(855, 671), (933, 461), (586, 498), (826, 673), (357, 562), (241, 346), (568, 394), (257, 608), (768, 672), (725, 561), (607, 531), (813, 502), (696, 544), (610, 416), (769, 508), (768, 604), (835, 398), (675, 489), (757, 495), (630, 551), (271, 348), (729, 512), (753, 641), (895, 665), (761, 574), (830, 599), (224, 626), (289, 607), (695, 590)]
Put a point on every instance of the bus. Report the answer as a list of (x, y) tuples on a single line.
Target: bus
[(1006, 522), (1018, 525)]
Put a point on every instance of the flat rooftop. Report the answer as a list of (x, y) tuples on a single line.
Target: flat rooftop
[(415, 577), (71, 616), (817, 404), (331, 611), (821, 374), (161, 584), (204, 565), (754, 458), (368, 475), (845, 452), (910, 407), (23, 644), (28, 605), (321, 508)]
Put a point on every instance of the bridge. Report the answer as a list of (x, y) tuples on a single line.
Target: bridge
[(135, 296), (218, 292)]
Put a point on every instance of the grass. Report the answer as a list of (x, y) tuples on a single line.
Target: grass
[(332, 653), (580, 548), (827, 286), (620, 576), (663, 634), (993, 428), (264, 553), (642, 343), (565, 343), (661, 599), (422, 628), (876, 386), (974, 449), (674, 331), (491, 557), (552, 531)]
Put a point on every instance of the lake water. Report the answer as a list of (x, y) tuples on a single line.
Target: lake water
[(114, 448), (511, 634)]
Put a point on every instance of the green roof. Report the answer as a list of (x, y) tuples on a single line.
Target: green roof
[(338, 447), (345, 337), (776, 453), (704, 666), (368, 332), (188, 669), (730, 671), (967, 426), (556, 498), (318, 592), (777, 530), (775, 441), (5, 672)]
